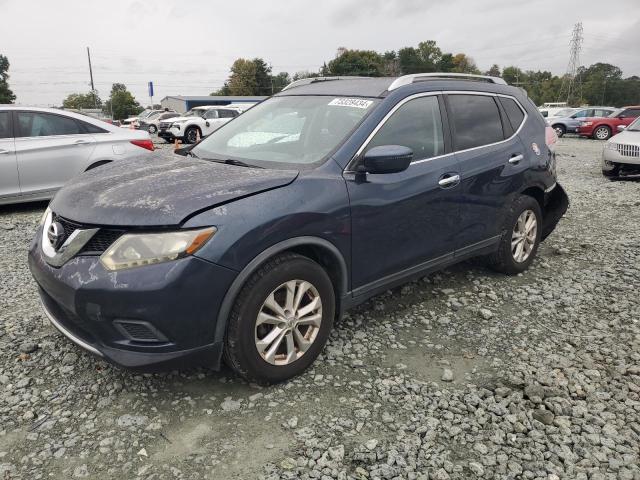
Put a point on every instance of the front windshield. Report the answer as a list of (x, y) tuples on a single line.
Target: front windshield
[(286, 130), (634, 126), (195, 112)]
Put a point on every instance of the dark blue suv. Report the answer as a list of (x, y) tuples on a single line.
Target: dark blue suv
[(308, 204)]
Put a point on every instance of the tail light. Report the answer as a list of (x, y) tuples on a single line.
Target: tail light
[(148, 144), (550, 137)]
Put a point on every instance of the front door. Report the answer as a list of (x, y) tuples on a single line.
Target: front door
[(492, 162), (50, 150), (9, 180), (403, 222)]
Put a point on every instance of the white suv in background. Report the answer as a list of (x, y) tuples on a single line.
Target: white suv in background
[(42, 148), (197, 122)]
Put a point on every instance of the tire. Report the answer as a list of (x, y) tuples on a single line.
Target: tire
[(613, 173), (152, 129), (560, 130), (602, 133), (505, 259), (191, 135), (244, 336)]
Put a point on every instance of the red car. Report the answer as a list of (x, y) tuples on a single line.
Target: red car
[(601, 128)]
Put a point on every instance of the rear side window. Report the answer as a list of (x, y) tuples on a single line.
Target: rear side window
[(418, 125), (211, 114), (514, 112), (476, 121), (227, 114), (5, 125), (91, 128), (39, 124), (602, 113)]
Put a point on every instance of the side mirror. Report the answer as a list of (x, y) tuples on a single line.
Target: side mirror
[(386, 159), (574, 116), (622, 128)]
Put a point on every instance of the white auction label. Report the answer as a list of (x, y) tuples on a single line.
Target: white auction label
[(351, 102)]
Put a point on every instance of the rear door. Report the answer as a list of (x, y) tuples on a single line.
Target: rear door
[(9, 180), (492, 163), (50, 148), (402, 221)]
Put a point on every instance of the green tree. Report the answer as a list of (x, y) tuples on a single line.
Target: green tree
[(82, 100), (280, 81), (263, 78), (363, 63), (409, 61), (494, 71), (464, 64), (446, 63), (6, 95), (430, 55), (121, 103)]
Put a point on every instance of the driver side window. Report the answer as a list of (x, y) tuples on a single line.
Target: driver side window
[(418, 125)]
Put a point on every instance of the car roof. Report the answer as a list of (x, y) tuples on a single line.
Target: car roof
[(381, 86), (85, 118)]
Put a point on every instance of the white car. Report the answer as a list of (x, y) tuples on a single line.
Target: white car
[(621, 154), (197, 122), (151, 123), (135, 120), (42, 148)]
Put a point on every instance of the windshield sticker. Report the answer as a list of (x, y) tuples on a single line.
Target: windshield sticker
[(351, 102)]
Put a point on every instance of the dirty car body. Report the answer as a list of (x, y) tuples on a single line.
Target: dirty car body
[(279, 190)]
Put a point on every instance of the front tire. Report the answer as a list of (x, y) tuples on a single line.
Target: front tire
[(281, 320), (602, 133), (152, 129), (560, 130), (520, 238)]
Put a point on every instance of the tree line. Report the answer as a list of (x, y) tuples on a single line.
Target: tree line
[(597, 84)]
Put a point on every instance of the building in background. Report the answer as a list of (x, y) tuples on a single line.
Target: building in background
[(181, 103)]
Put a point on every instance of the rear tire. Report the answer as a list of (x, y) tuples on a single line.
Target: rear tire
[(191, 135), (281, 320), (520, 238), (602, 133), (152, 129)]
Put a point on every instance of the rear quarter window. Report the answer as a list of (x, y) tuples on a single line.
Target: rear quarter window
[(513, 111), (476, 120)]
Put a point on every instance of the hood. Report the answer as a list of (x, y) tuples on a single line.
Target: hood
[(627, 137), (159, 191)]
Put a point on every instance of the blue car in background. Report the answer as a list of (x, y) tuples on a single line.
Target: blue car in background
[(330, 192), (570, 123)]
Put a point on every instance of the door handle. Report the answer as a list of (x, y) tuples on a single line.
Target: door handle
[(516, 159), (81, 142), (449, 180)]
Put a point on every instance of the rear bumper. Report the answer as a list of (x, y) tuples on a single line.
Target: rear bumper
[(556, 204), (175, 304)]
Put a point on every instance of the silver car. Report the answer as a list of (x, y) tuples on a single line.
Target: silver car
[(569, 121), (42, 148), (621, 154)]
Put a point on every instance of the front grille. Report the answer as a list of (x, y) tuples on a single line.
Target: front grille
[(628, 150), (164, 125), (102, 240)]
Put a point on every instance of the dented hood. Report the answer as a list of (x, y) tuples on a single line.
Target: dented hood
[(159, 191)]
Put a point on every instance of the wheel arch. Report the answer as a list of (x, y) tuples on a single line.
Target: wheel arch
[(325, 253), (537, 193), (97, 164)]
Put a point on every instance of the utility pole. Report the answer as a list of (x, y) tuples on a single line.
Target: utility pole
[(93, 89), (575, 46)]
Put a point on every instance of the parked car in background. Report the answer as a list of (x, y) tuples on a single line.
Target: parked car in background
[(135, 120), (42, 148), (602, 128), (197, 122), (553, 108), (151, 123), (621, 154), (254, 244), (569, 122)]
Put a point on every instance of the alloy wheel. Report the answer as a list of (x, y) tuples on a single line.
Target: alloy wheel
[(152, 129), (559, 131), (288, 322), (524, 235), (602, 133)]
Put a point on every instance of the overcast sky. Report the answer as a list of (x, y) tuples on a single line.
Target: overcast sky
[(187, 47)]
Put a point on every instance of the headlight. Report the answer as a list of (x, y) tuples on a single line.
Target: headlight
[(586, 124), (138, 249), (611, 146), (44, 216)]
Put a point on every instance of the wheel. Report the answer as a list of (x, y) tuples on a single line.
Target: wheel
[(613, 173), (602, 133), (152, 128), (560, 130), (520, 238), (281, 320), (191, 135)]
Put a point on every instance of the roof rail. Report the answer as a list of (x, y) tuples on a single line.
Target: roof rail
[(409, 79), (309, 80)]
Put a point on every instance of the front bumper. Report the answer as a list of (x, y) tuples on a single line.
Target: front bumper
[(171, 134), (611, 157), (178, 301)]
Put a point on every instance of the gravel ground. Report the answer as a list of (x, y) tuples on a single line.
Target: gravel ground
[(463, 374)]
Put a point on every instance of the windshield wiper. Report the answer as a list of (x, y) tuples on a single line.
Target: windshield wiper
[(231, 161)]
